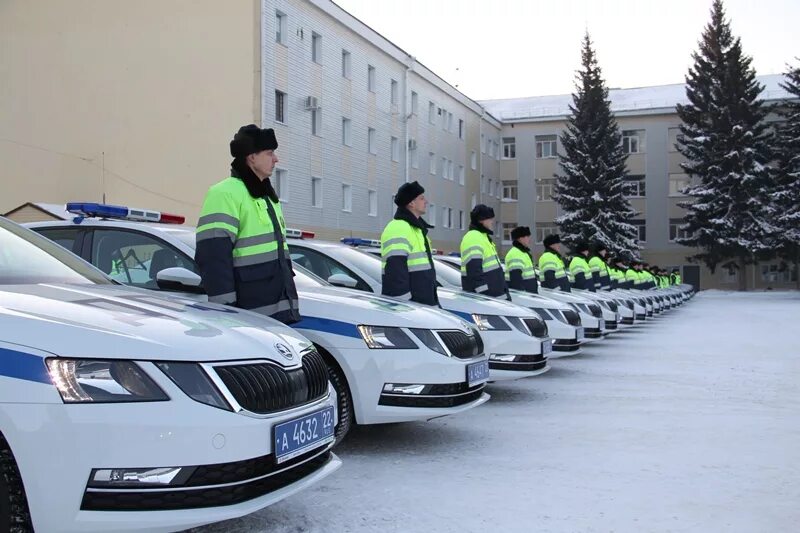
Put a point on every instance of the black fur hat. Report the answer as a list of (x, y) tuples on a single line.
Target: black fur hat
[(407, 193), (481, 212), (581, 246), (519, 232), (550, 240), (251, 139)]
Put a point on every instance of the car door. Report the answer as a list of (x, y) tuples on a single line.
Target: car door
[(134, 257)]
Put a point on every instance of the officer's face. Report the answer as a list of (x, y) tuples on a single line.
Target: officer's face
[(418, 205), (525, 241), (263, 163), (556, 247), (488, 223)]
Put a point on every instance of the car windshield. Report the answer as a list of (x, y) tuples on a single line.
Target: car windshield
[(27, 258), (447, 274), (366, 263)]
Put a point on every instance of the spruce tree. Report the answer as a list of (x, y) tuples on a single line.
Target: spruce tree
[(590, 187), (727, 147), (787, 190)]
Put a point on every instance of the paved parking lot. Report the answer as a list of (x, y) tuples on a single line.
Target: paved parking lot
[(689, 423)]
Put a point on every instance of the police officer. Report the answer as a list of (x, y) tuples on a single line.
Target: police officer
[(407, 265), (520, 273), (481, 271), (552, 272), (579, 268), (241, 235), (601, 277), (632, 276), (675, 277)]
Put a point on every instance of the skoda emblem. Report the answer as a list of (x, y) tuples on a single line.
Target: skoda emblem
[(284, 351)]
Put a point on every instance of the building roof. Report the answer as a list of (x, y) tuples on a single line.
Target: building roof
[(54, 211), (633, 101)]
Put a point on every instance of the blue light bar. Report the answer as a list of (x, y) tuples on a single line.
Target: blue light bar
[(357, 241), (91, 209)]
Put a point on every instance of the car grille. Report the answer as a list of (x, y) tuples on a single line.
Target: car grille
[(214, 496), (573, 318), (266, 388), (462, 345), (537, 327)]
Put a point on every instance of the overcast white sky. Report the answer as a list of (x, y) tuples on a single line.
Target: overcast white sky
[(510, 48)]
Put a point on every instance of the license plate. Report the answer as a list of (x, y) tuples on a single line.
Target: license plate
[(602, 324), (547, 346), (477, 373), (579, 336), (303, 434)]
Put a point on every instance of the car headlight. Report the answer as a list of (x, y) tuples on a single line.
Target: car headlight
[(490, 323), (519, 324), (429, 339), (195, 383), (379, 337), (90, 380)]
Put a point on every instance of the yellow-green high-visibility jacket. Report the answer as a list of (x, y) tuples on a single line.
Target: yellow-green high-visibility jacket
[(601, 277), (407, 266), (242, 253), (520, 273), (552, 274), (633, 276), (616, 276), (581, 273), (481, 271)]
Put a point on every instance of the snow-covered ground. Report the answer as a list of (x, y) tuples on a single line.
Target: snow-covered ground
[(689, 423)]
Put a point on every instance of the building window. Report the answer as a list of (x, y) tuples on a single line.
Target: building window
[(510, 191), (281, 184), (371, 78), (483, 143), (474, 201), (444, 167), (347, 137), (431, 113), (509, 148), (347, 63), (546, 146), (483, 184), (507, 228), (677, 183), (371, 141), (316, 47), (474, 160), (460, 129), (461, 174), (634, 186), (461, 219), (395, 148), (316, 192), (432, 211), (497, 188), (730, 273), (673, 139), (316, 122), (414, 103), (775, 273), (413, 153), (394, 93), (347, 198), (675, 231), (492, 146), (543, 230), (280, 107), (633, 141), (372, 196), (280, 27), (544, 189), (445, 217), (432, 163), (642, 230), (450, 122), (491, 190)]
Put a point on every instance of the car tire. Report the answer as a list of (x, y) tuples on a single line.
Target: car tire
[(344, 400), (14, 515)]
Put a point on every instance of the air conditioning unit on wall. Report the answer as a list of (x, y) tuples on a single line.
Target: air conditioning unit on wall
[(312, 102)]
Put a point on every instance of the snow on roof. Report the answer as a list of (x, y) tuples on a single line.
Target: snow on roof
[(622, 100)]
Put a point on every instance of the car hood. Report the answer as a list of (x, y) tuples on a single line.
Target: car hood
[(358, 307), (536, 300), (458, 301), (110, 321)]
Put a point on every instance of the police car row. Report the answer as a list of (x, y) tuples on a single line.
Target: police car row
[(122, 378)]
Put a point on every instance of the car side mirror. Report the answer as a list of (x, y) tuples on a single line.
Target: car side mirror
[(179, 279), (342, 280)]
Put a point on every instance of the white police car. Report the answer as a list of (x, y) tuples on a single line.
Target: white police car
[(563, 322), (516, 339), (121, 410), (388, 361)]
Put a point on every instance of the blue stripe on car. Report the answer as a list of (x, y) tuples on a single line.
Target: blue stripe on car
[(328, 326), (465, 316), (21, 365)]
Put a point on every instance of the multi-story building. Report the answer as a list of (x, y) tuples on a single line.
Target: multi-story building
[(104, 101), (532, 128)]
